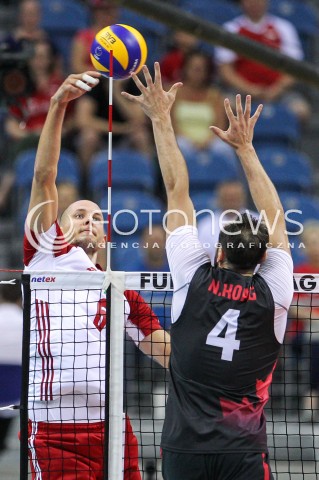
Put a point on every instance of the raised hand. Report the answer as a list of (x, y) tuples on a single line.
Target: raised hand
[(154, 100), (241, 126), (75, 86)]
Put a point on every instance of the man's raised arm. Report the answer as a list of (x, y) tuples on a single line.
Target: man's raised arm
[(240, 136), (157, 104), (43, 205)]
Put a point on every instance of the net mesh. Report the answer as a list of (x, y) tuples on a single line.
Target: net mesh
[(66, 394), (67, 378)]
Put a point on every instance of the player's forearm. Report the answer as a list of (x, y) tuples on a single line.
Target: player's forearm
[(158, 346), (49, 147), (262, 189), (171, 161)]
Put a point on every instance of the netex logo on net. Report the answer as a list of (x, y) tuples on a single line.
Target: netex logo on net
[(43, 279)]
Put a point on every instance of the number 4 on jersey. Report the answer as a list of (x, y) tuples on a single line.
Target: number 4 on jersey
[(228, 343)]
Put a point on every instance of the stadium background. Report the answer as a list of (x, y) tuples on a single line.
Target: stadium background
[(157, 36)]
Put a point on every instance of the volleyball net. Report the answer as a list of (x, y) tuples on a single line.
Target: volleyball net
[(86, 384)]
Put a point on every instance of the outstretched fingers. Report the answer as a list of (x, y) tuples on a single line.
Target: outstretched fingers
[(140, 86), (138, 82), (131, 98), (219, 132), (256, 115), (239, 107), (174, 88), (247, 111), (228, 110), (157, 75), (147, 75)]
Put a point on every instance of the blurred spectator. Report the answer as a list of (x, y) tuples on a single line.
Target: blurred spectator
[(11, 321), (130, 126), (6, 184), (151, 255), (231, 197), (26, 117), (27, 31), (241, 74), (103, 13), (29, 22), (172, 63), (304, 323), (198, 105)]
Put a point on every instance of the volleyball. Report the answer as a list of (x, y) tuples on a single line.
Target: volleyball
[(129, 51)]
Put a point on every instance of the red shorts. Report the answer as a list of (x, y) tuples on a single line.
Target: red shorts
[(67, 451)]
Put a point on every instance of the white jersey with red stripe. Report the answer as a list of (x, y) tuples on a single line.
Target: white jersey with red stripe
[(67, 345), (271, 30)]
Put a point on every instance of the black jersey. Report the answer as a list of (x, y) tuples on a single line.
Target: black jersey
[(224, 351)]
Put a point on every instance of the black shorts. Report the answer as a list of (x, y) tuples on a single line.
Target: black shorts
[(224, 466)]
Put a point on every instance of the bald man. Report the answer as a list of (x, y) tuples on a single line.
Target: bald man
[(67, 347)]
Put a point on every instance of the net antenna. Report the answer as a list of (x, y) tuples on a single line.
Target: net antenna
[(114, 417), (109, 168)]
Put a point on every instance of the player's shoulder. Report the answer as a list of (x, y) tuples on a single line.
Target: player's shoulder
[(43, 246), (277, 265), (279, 254)]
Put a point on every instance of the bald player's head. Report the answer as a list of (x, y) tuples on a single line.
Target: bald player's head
[(82, 225)]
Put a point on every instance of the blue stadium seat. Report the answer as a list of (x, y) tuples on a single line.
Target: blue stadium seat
[(24, 167), (68, 168), (123, 248), (215, 11), (22, 214), (133, 218), (62, 19), (206, 170), (277, 125), (131, 222), (303, 16), (299, 208), (297, 250), (288, 168), (68, 171), (204, 200), (130, 170), (64, 15)]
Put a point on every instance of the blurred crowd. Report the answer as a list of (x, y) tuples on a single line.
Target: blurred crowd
[(48, 40)]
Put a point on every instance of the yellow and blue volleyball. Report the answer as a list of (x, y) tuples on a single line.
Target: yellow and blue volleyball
[(129, 51)]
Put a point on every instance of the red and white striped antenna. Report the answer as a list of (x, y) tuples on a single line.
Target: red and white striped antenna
[(109, 169)]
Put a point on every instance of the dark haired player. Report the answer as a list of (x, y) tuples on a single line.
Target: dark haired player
[(228, 323)]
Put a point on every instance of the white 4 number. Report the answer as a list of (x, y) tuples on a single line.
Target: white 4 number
[(228, 343)]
